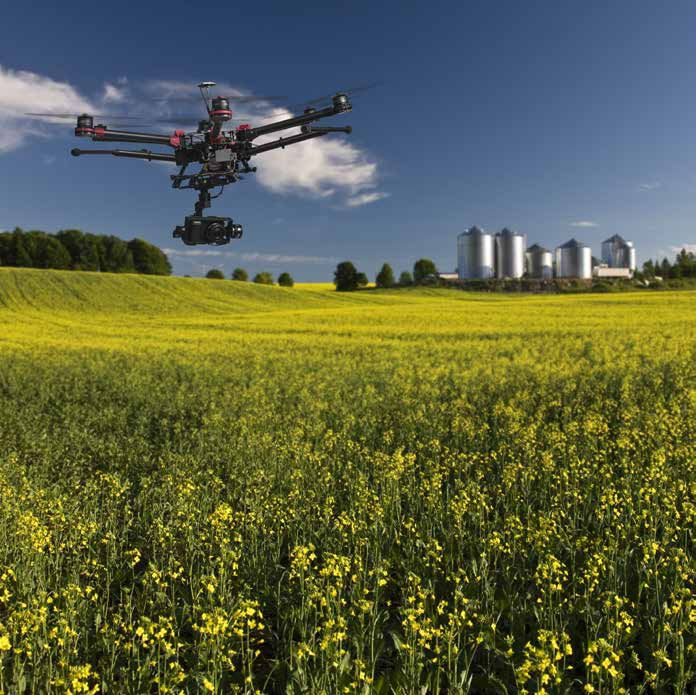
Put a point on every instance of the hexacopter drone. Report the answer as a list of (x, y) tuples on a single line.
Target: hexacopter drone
[(223, 154)]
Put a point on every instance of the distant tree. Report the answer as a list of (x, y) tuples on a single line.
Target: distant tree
[(84, 254), (18, 255), (405, 279), (346, 277), (240, 274), (50, 253), (215, 274), (115, 256), (263, 278), (385, 277), (422, 268), (649, 269), (285, 280), (665, 268), (362, 280), (148, 259)]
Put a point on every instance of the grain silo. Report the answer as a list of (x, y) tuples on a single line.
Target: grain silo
[(509, 254), (574, 260), (539, 262), (475, 254), (618, 253)]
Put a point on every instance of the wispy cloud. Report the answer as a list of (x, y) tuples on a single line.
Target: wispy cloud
[(584, 224), (280, 258), (250, 256), (650, 186), (365, 198), (193, 253)]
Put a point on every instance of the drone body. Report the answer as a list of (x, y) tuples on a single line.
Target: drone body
[(222, 154)]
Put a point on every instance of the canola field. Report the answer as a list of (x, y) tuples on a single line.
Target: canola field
[(209, 486)]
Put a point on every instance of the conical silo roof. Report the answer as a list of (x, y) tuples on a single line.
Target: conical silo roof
[(537, 248), (614, 239), (571, 244)]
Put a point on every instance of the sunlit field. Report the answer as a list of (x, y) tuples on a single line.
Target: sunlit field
[(210, 486)]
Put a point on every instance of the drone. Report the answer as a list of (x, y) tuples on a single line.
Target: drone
[(224, 155)]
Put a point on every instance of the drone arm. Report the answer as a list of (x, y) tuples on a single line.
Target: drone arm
[(101, 134), (307, 134), (142, 154), (283, 142)]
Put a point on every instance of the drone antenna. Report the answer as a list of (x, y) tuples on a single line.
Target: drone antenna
[(206, 86)]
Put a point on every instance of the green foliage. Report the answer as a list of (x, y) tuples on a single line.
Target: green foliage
[(215, 274), (72, 249), (385, 277), (148, 259), (362, 280), (405, 279), (423, 269), (346, 277), (240, 274), (263, 278), (285, 280)]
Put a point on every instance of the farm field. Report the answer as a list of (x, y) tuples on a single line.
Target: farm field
[(210, 486)]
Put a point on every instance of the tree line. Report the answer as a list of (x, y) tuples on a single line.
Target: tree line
[(73, 249), (684, 266), (347, 277), (241, 275)]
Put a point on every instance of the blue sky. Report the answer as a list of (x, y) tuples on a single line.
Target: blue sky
[(556, 119)]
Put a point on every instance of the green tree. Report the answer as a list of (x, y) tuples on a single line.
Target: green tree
[(405, 279), (263, 278), (362, 280), (285, 280), (346, 277), (148, 259), (18, 255), (215, 274), (240, 274), (422, 269), (385, 277), (116, 257), (84, 254), (649, 268), (50, 253), (665, 268)]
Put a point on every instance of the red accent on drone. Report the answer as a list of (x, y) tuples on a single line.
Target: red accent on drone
[(219, 111), (99, 131), (243, 126), (175, 140)]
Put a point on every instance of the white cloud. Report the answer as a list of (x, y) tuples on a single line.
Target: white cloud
[(22, 91), (584, 224), (650, 186), (279, 258), (194, 252), (365, 198), (250, 256), (113, 94)]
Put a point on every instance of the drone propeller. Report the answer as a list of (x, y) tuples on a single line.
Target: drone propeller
[(76, 115), (232, 98), (352, 91)]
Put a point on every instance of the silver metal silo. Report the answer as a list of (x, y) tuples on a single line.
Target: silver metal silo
[(539, 262), (574, 260), (618, 253), (509, 254), (475, 254)]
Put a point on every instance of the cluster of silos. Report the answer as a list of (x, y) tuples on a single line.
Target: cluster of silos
[(482, 255), (618, 253)]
